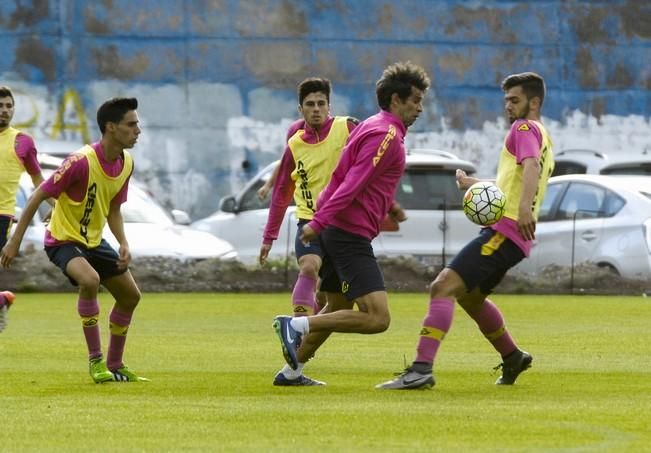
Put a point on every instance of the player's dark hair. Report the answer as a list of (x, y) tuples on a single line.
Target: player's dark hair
[(5, 91), (113, 110), (314, 85), (532, 85), (399, 78)]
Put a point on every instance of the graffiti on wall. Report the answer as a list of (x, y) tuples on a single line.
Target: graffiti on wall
[(60, 117)]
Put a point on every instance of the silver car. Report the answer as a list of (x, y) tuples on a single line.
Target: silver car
[(435, 229), (598, 219)]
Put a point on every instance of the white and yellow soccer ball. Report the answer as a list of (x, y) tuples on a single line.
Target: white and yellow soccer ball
[(484, 203)]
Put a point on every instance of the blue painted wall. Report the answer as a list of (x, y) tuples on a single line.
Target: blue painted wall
[(216, 78)]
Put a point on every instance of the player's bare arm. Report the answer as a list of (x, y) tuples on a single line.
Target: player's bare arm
[(10, 250), (116, 225), (530, 175)]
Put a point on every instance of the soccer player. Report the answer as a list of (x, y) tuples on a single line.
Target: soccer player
[(526, 162), (17, 155), (351, 210), (90, 187), (314, 144)]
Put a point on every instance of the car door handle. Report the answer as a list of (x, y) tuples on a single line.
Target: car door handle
[(588, 236)]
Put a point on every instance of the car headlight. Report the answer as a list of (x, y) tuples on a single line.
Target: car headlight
[(647, 234)]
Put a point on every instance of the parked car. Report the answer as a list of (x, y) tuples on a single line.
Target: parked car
[(151, 231), (604, 220), (593, 162), (435, 229)]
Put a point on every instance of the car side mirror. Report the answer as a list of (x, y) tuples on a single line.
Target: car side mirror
[(180, 217), (228, 204)]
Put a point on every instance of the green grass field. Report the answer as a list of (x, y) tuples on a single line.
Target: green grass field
[(212, 358)]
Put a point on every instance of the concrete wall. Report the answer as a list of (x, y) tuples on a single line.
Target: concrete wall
[(216, 78)]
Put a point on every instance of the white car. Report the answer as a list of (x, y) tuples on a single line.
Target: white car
[(148, 227), (435, 230), (593, 162), (603, 220)]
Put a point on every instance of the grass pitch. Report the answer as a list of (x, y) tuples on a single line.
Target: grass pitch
[(212, 358)]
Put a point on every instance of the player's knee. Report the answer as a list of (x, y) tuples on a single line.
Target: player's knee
[(133, 299), (381, 323), (309, 269), (438, 288), (88, 282)]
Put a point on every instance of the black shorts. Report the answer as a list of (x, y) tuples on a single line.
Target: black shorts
[(5, 227), (349, 265), (484, 261), (313, 248), (101, 258)]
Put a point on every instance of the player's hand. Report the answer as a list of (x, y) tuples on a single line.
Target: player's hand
[(307, 235), (263, 192), (124, 258), (397, 213), (264, 253), (9, 252), (463, 180), (527, 224)]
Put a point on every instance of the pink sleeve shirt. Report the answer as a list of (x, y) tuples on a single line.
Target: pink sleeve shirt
[(283, 190), (72, 178), (522, 146), (363, 185), (26, 152)]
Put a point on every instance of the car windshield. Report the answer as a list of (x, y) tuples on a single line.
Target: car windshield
[(637, 168), (141, 208), (429, 188)]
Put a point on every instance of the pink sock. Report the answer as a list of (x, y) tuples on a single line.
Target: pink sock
[(88, 309), (303, 296), (491, 323), (435, 325), (119, 324)]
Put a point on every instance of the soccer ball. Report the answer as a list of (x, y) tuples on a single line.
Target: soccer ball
[(484, 203)]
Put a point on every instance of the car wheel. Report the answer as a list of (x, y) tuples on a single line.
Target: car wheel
[(610, 268)]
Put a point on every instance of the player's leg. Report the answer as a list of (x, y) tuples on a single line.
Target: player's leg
[(6, 297), (303, 296), (72, 260), (309, 258), (463, 274), (436, 324), (292, 372), (124, 290), (498, 255), (352, 271), (349, 267), (491, 323), (309, 345), (313, 341), (122, 287)]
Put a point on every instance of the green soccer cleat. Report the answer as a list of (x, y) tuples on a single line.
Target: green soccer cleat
[(98, 371), (124, 374)]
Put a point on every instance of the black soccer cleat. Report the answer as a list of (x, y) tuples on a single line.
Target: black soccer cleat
[(517, 362)]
